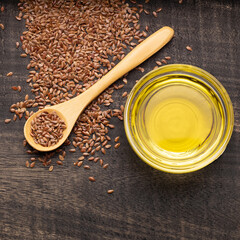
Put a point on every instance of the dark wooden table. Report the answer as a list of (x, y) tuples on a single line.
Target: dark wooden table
[(146, 204)]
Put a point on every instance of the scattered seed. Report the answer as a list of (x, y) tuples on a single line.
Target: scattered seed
[(188, 48), (23, 55), (15, 88), (50, 168), (110, 191), (2, 26), (32, 164), (33, 159), (154, 14), (79, 164), (27, 164), (168, 58), (146, 11), (72, 150), (101, 162), (9, 74), (116, 139), (92, 179), (164, 61), (81, 158), (159, 10), (61, 157), (8, 120), (124, 94), (86, 167), (18, 18), (59, 162), (17, 44), (117, 145), (105, 165), (2, 8), (19, 88)]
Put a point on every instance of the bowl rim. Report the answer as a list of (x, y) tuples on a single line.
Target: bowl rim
[(226, 103)]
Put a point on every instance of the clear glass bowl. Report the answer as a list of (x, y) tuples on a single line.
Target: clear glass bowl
[(178, 118)]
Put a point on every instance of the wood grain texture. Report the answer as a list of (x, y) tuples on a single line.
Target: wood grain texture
[(146, 204)]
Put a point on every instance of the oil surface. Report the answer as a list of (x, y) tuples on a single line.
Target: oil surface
[(177, 116)]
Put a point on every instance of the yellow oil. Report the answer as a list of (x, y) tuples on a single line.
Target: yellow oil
[(177, 115)]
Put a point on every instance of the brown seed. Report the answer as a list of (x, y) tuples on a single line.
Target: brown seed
[(159, 10), (117, 145), (108, 146), (14, 117), (86, 167), (19, 88), (32, 164), (110, 191), (8, 120), (91, 159), (15, 88), (2, 8), (154, 14), (27, 164), (72, 150), (33, 159), (116, 139), (124, 94), (2, 26), (188, 48), (92, 179), (23, 55), (146, 11), (101, 162), (81, 158), (180, 1), (18, 18), (164, 61), (9, 74), (105, 165), (79, 164), (168, 58), (59, 162), (147, 28), (17, 44), (24, 143), (61, 157), (50, 168), (103, 151)]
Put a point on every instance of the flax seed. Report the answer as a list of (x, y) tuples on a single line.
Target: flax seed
[(79, 164), (110, 191), (92, 179), (27, 164), (8, 120), (9, 74), (32, 164), (188, 48), (59, 162), (105, 165), (117, 145), (50, 168)]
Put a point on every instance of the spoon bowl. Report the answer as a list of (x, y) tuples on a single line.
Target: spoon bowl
[(70, 110)]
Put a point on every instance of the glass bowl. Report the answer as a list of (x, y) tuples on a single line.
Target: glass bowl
[(178, 118)]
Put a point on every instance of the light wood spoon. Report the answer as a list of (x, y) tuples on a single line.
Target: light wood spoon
[(70, 110)]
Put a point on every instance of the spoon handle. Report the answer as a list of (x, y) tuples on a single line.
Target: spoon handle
[(138, 55)]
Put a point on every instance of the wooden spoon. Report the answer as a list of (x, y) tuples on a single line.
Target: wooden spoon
[(70, 110)]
